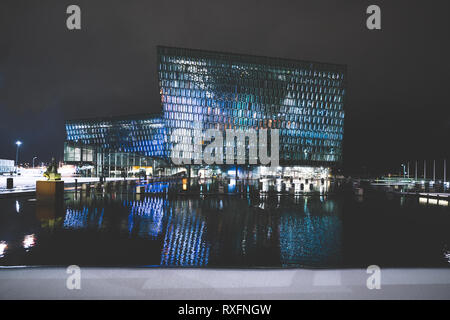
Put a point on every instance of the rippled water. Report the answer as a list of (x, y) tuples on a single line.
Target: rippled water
[(225, 231)]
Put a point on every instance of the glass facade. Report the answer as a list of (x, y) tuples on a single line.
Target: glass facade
[(203, 90), (114, 146), (140, 134), (96, 161), (213, 90)]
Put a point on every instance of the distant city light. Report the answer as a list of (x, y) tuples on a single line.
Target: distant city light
[(29, 241), (3, 247), (19, 143)]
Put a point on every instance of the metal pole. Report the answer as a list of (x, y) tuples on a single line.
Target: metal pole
[(17, 155), (424, 170), (445, 170), (408, 169), (434, 170), (415, 178)]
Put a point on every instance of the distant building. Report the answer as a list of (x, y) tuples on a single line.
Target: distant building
[(213, 90), (6, 166)]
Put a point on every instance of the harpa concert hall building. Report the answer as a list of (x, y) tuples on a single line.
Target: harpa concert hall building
[(213, 90)]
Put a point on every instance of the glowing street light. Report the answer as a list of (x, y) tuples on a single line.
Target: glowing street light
[(18, 144)]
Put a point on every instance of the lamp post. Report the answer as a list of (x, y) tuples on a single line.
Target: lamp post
[(34, 158), (18, 144)]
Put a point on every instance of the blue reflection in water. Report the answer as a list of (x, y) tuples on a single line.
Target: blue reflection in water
[(83, 218), (221, 232), (232, 186), (146, 216), (156, 187), (312, 238), (185, 239), (224, 231)]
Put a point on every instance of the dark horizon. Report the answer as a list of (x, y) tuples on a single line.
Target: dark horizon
[(397, 77)]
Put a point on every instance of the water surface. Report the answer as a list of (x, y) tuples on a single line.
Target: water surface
[(323, 231)]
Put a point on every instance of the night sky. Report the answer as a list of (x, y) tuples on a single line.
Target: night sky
[(397, 104)]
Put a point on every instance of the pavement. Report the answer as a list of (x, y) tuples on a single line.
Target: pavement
[(223, 284)]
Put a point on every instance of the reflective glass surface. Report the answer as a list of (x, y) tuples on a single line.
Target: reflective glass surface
[(213, 90)]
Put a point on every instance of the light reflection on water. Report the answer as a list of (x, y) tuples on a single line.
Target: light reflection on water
[(236, 229), (218, 231), (310, 239), (185, 239)]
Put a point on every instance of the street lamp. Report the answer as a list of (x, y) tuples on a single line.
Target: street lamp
[(18, 144), (404, 170), (34, 158)]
